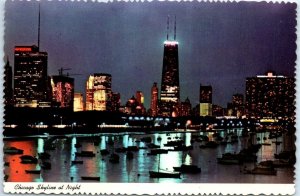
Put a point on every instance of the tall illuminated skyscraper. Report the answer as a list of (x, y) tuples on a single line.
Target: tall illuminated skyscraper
[(154, 100), (30, 77), (98, 92), (62, 91), (170, 91)]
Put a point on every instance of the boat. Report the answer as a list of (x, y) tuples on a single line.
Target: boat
[(151, 145), (85, 154), (120, 150), (104, 152), (276, 163), (158, 151), (182, 148), (230, 159), (193, 169), (77, 162), (114, 158), (129, 155), (95, 178), (173, 143), (27, 159), (32, 171), (158, 174), (132, 148), (13, 151), (44, 155), (262, 170), (46, 165)]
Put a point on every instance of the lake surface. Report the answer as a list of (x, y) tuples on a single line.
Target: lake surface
[(137, 169)]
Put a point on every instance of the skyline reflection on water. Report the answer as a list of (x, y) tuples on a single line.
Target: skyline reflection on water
[(137, 169)]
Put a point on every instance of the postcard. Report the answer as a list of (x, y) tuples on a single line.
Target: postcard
[(159, 97)]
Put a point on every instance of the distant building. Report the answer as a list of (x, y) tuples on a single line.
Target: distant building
[(217, 110), (238, 105), (205, 100), (115, 101), (8, 89), (78, 102), (62, 91), (30, 77), (154, 100), (185, 108), (98, 92), (270, 95), (140, 97)]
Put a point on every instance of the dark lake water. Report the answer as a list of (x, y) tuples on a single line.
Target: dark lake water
[(137, 169)]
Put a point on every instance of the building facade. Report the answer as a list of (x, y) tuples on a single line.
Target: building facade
[(185, 108), (270, 95), (98, 92), (78, 102), (30, 77), (62, 91), (205, 100), (154, 100)]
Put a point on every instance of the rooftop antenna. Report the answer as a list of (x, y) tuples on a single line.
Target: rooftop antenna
[(39, 24), (168, 28), (175, 29)]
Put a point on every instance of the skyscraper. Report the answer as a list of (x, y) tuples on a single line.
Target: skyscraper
[(8, 91), (115, 101), (30, 77), (185, 108), (62, 91), (78, 102), (205, 100), (270, 95), (98, 92), (154, 100), (238, 104), (102, 93), (140, 97), (170, 91)]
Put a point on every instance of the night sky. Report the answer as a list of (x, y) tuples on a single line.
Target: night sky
[(220, 44)]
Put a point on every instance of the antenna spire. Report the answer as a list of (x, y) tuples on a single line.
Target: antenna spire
[(39, 24), (168, 28), (175, 29)]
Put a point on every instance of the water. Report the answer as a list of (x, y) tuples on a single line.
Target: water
[(137, 169)]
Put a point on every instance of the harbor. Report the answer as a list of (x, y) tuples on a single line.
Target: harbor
[(215, 156)]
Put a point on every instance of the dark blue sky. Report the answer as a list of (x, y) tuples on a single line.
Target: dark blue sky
[(220, 44)]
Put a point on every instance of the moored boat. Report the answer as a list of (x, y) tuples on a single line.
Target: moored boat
[(193, 169), (95, 178), (157, 174), (32, 171), (27, 159), (12, 151), (85, 154), (262, 170)]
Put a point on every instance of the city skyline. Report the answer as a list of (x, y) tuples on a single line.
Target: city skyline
[(133, 60)]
